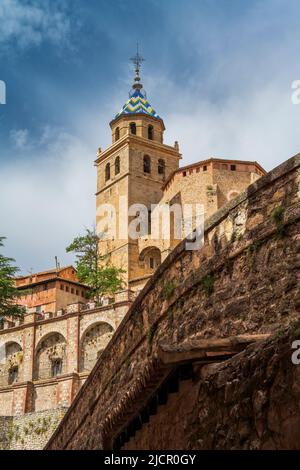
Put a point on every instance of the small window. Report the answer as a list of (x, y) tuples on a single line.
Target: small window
[(205, 168), (132, 126), (147, 164), (62, 287), (233, 167), (72, 290), (77, 292), (117, 134), (1, 323), (150, 132), (13, 375), (161, 167), (107, 171), (67, 288), (151, 263), (56, 368), (184, 173), (117, 165)]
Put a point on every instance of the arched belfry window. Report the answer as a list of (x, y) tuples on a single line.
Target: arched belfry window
[(150, 132), (132, 126), (107, 171), (117, 165), (117, 133), (147, 164), (161, 167)]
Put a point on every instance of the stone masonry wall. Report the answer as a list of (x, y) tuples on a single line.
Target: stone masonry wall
[(251, 401), (30, 431), (244, 280)]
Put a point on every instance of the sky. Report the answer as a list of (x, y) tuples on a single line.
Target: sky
[(219, 73)]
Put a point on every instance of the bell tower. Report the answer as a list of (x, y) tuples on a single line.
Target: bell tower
[(132, 171)]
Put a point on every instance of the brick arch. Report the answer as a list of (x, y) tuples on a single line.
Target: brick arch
[(104, 318), (150, 252), (93, 342), (50, 348)]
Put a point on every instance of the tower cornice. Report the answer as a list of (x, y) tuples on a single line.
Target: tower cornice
[(131, 116), (131, 139)]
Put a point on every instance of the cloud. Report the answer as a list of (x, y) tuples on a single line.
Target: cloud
[(19, 137), (223, 89), (47, 201), (28, 23)]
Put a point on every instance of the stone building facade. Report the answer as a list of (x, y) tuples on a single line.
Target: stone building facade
[(139, 168), (47, 356)]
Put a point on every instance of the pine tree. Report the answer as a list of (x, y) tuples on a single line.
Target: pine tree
[(8, 291)]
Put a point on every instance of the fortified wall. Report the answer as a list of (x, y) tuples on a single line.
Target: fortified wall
[(218, 312)]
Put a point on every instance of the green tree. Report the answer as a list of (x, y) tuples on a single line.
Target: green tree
[(8, 291), (91, 270)]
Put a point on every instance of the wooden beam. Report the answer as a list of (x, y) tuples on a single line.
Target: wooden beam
[(206, 350)]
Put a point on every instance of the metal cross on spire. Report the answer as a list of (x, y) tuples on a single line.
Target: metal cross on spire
[(137, 59)]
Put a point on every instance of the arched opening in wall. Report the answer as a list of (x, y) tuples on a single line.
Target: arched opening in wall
[(93, 342), (117, 165), (50, 356), (11, 364), (232, 194), (147, 164), (132, 127), (150, 132), (117, 134), (107, 171), (161, 168), (150, 258)]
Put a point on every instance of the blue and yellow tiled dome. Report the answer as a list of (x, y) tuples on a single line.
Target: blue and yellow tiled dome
[(137, 104)]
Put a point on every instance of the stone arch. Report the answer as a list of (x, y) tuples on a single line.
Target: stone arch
[(150, 258), (50, 356), (93, 341), (132, 127), (147, 164), (11, 360), (107, 171), (117, 165), (150, 132)]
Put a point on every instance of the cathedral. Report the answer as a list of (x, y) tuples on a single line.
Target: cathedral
[(139, 168), (48, 355)]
